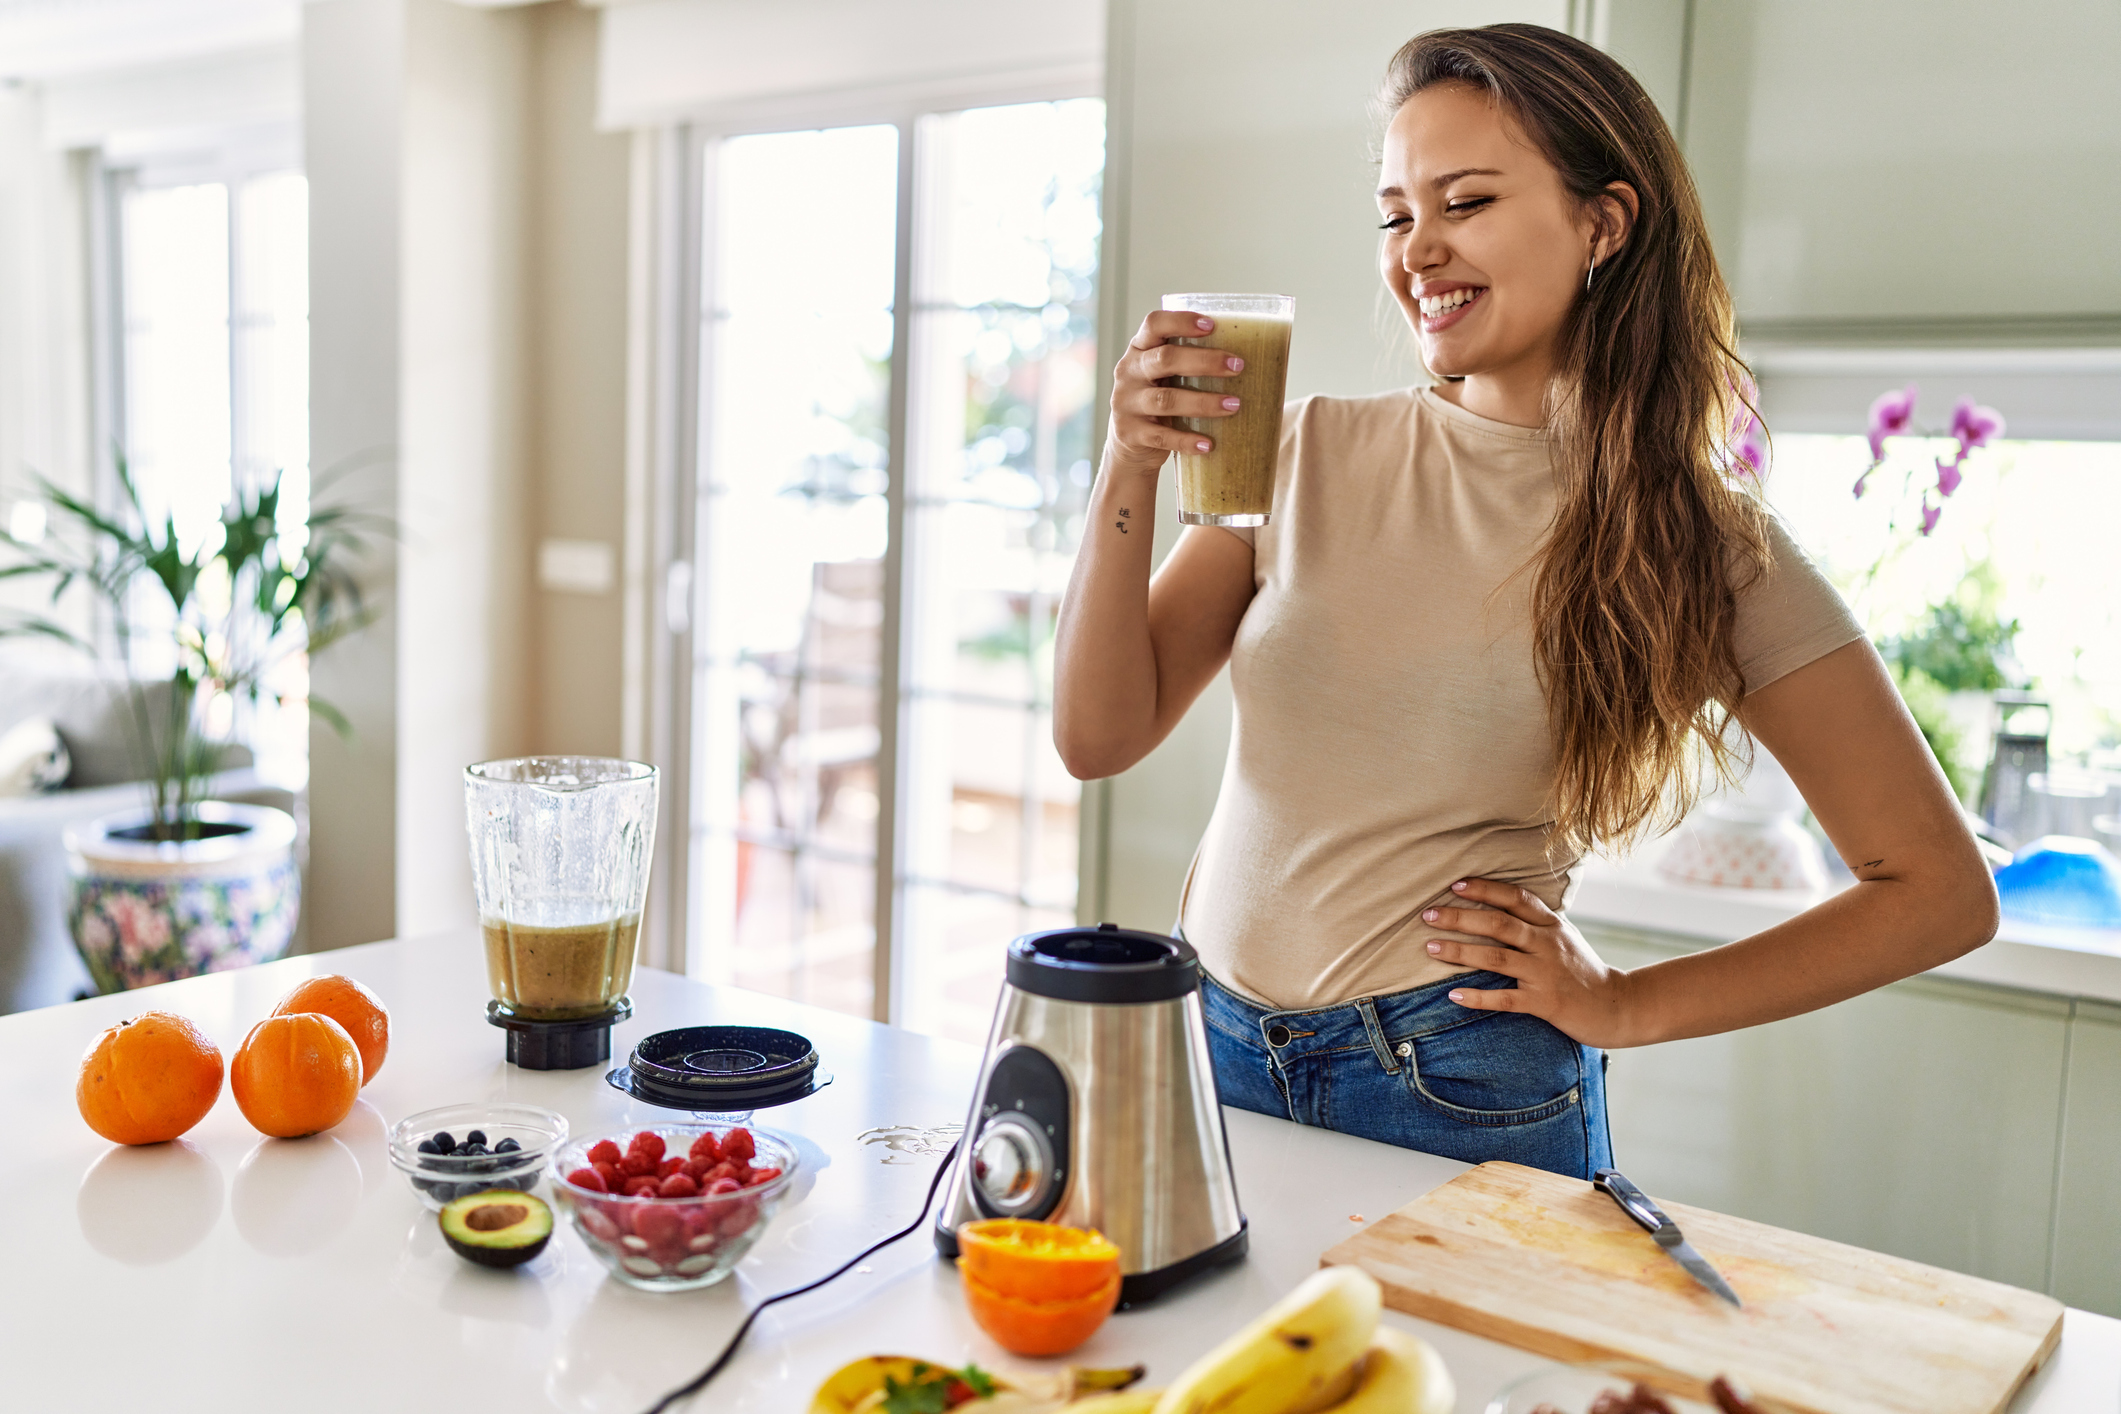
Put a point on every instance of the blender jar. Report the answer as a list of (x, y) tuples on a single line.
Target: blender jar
[(560, 849)]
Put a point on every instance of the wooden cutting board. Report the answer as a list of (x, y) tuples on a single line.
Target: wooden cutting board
[(1552, 1265)]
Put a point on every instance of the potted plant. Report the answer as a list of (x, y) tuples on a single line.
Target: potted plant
[(185, 885)]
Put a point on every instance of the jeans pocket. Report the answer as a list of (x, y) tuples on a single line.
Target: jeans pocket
[(1503, 1069)]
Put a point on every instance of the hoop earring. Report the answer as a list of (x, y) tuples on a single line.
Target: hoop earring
[(1588, 274)]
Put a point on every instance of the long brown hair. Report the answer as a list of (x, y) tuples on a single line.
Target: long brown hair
[(1634, 608)]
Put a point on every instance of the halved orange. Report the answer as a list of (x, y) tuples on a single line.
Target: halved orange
[(1024, 1327), (1035, 1261)]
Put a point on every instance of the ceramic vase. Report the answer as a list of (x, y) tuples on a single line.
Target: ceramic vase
[(1749, 838), (145, 911)]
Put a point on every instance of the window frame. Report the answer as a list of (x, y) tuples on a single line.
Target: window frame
[(673, 288)]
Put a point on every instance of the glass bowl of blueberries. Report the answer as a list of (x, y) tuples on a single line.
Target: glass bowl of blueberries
[(456, 1150)]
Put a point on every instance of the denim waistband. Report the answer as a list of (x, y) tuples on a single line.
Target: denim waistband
[(1377, 1023)]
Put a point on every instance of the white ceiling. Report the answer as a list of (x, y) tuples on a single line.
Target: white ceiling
[(43, 39)]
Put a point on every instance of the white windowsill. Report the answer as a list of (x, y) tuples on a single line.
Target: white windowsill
[(1630, 893)]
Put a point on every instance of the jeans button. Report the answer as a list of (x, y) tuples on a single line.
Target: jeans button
[(1278, 1035), (1404, 1049)]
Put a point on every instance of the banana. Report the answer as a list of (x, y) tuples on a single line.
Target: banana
[(1133, 1401), (1296, 1358), (1401, 1374)]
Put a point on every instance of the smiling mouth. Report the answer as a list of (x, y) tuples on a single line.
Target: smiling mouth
[(1442, 311)]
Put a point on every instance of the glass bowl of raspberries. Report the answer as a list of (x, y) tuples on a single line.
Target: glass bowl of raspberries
[(674, 1208)]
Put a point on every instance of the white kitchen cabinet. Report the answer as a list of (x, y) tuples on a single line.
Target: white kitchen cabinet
[(2088, 1191), (1883, 172), (1922, 1119)]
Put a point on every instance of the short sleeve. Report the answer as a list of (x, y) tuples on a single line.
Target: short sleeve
[(1790, 616)]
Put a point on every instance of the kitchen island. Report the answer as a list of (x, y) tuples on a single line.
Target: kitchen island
[(230, 1272)]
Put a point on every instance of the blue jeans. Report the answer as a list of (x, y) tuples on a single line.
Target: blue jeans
[(1416, 1069)]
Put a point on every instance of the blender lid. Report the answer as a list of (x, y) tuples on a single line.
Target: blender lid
[(721, 1068), (1107, 963)]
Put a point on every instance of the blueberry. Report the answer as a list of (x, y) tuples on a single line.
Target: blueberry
[(423, 1185), (471, 1149), (507, 1146), (477, 1136), (428, 1146), (444, 1144)]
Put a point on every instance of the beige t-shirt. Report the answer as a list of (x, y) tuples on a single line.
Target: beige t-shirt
[(1391, 733)]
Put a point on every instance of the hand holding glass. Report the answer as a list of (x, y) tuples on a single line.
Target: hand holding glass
[(1234, 483)]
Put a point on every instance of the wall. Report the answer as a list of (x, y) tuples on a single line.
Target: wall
[(464, 473), (1239, 158), (578, 224), (353, 83), (468, 258), (44, 357)]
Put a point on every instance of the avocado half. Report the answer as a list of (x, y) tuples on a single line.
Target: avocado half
[(497, 1228)]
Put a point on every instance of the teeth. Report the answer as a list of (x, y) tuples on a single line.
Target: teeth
[(1445, 303)]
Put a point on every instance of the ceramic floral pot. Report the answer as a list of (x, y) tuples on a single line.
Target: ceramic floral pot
[(144, 911)]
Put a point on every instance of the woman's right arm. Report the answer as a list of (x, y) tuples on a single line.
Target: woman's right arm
[(1130, 654)]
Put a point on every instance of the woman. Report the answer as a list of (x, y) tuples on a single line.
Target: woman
[(1488, 623)]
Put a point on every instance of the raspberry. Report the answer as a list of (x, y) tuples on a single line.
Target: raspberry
[(659, 1227), (738, 1144), (637, 1165), (697, 1169), (723, 1185), (669, 1166), (707, 1147), (759, 1176), (678, 1185), (650, 1143), (724, 1169), (739, 1219), (600, 1223), (613, 1179), (589, 1179), (605, 1152), (640, 1187)]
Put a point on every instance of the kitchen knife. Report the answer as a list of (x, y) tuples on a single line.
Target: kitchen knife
[(1637, 1205)]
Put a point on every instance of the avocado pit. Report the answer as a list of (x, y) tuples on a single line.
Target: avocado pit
[(499, 1227)]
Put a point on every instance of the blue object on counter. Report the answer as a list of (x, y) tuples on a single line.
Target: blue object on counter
[(2064, 880)]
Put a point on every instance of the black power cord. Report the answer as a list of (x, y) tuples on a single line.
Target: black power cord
[(721, 1361)]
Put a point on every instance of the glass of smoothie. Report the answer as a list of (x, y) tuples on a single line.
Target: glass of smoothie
[(560, 848), (1234, 484)]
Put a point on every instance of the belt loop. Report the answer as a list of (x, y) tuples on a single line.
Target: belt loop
[(1367, 1006)]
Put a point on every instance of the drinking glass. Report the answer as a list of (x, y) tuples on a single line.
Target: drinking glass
[(1234, 483), (560, 848)]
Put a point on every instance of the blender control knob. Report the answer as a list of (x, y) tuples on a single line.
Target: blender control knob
[(1011, 1164)]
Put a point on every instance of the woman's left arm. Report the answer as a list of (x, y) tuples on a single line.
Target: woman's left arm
[(1922, 896)]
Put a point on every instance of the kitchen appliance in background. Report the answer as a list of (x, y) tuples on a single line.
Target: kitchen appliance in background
[(1096, 1107), (2019, 724)]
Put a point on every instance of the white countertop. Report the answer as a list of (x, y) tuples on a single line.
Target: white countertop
[(1631, 893), (230, 1272)]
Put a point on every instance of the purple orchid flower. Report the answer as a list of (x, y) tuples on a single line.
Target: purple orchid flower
[(1891, 414), (1948, 474), (1751, 445), (1929, 516), (1974, 425)]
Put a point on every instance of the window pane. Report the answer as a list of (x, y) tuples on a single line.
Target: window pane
[(1003, 384), (792, 538), (177, 422), (2027, 536)]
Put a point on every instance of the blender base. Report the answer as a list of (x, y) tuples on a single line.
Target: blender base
[(559, 1045)]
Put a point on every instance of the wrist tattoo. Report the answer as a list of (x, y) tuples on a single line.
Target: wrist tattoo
[(1124, 516)]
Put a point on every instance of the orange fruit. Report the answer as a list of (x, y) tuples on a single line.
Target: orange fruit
[(354, 1007), (1036, 1261), (148, 1079), (296, 1075), (1024, 1327)]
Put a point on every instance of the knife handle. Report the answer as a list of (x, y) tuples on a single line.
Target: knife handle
[(1632, 1200)]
